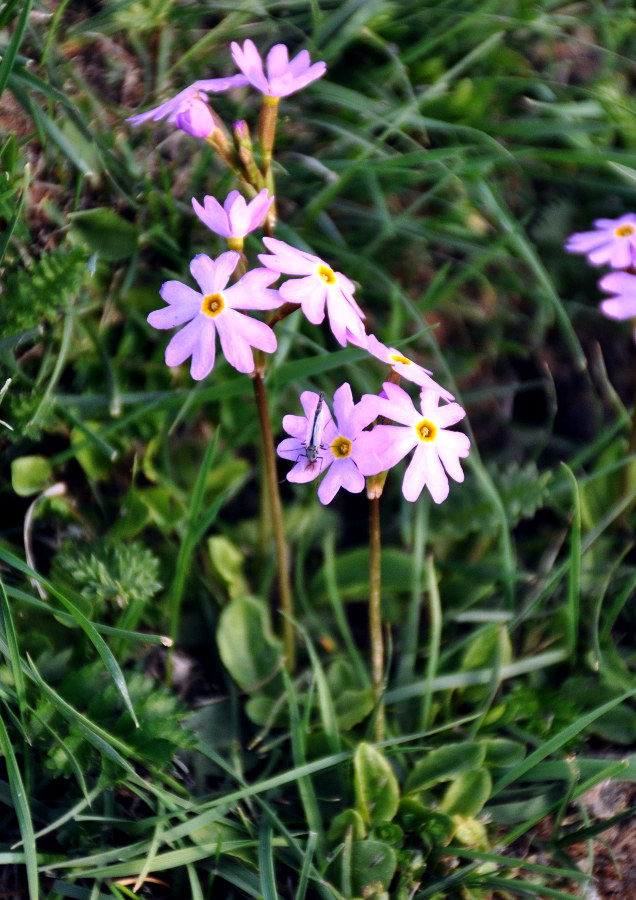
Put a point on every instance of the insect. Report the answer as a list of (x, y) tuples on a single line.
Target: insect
[(313, 441)]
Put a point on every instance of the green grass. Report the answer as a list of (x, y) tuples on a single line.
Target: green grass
[(440, 164)]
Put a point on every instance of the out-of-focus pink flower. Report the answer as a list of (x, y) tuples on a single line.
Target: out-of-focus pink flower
[(215, 308), (319, 285), (613, 243), (623, 305), (236, 218), (405, 367), (188, 109), (343, 449), (284, 76), (437, 450)]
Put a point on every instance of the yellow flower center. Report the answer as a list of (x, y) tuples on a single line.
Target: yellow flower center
[(341, 447), (327, 274), (401, 359), (426, 431), (213, 304), (624, 230)]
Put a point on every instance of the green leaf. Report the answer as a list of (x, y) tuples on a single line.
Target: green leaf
[(445, 763), (30, 475), (376, 787), (105, 233), (347, 819), (246, 642), (467, 794), (23, 813), (228, 561), (501, 752), (369, 868), (351, 707)]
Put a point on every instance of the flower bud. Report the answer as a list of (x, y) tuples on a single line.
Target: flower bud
[(195, 118)]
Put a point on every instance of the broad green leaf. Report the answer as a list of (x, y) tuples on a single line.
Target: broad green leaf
[(228, 563), (443, 764), (468, 831), (30, 475), (368, 869), (467, 794), (376, 787), (501, 752), (247, 644), (351, 707), (347, 819)]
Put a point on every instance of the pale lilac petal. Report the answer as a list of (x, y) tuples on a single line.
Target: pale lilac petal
[(213, 215), (300, 63), (618, 283), (182, 344), (216, 85), (620, 254), (619, 307), (296, 426), (238, 334), (277, 61), (291, 448), (170, 316), (237, 214), (392, 443), (425, 468), (213, 275), (397, 405), (310, 292), (586, 241), (451, 446), (195, 118), (178, 294), (367, 452), (252, 292), (342, 318), (203, 351), (447, 415), (343, 407), (287, 259), (366, 410), (343, 473), (258, 208), (304, 470)]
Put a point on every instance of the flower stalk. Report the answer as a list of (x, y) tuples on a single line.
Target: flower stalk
[(375, 617), (276, 512)]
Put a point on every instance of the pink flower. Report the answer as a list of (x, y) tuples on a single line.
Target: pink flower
[(405, 367), (188, 110), (284, 76), (343, 448), (214, 309), (613, 243), (319, 285), (437, 452), (623, 305), (235, 218)]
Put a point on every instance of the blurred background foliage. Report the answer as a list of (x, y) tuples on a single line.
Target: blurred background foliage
[(441, 164)]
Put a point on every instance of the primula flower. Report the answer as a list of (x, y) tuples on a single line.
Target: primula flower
[(343, 448), (623, 305), (613, 243), (404, 366), (188, 110), (284, 76), (437, 452), (236, 218), (214, 309), (320, 284)]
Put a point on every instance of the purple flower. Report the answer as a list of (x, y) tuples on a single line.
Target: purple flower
[(320, 284), (235, 218), (188, 110), (623, 305), (343, 447), (613, 243), (284, 76), (438, 451), (405, 367), (214, 309)]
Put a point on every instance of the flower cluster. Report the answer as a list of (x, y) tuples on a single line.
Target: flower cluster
[(613, 243), (342, 447)]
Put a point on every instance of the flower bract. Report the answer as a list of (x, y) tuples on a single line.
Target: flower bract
[(284, 76), (215, 309), (236, 218), (437, 450), (319, 285), (188, 109), (345, 451), (404, 366), (613, 243)]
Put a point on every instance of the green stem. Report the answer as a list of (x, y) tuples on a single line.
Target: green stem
[(266, 135), (375, 616), (276, 513)]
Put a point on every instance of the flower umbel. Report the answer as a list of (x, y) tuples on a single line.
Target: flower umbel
[(284, 76), (236, 218), (215, 308), (345, 450), (319, 285), (613, 243), (437, 450), (188, 109)]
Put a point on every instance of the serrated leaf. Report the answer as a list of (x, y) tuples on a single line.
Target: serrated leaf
[(376, 788), (445, 763)]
